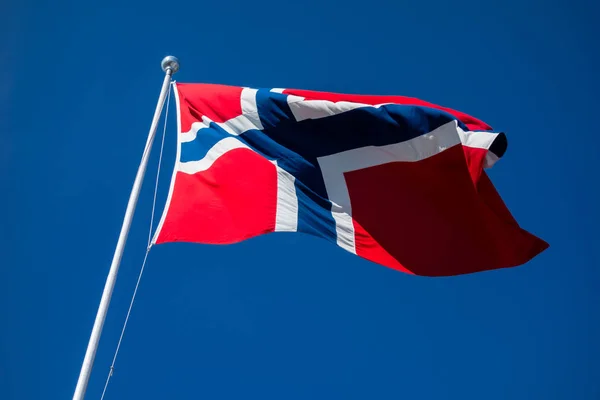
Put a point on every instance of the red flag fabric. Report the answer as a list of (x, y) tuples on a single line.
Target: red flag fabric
[(395, 180)]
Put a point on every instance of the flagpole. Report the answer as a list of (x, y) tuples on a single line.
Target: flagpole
[(170, 65)]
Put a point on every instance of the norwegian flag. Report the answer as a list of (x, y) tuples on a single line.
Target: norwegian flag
[(395, 180)]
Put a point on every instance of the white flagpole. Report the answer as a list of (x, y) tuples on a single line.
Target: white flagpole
[(170, 65)]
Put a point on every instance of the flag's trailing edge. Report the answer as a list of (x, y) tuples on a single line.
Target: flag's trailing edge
[(392, 179)]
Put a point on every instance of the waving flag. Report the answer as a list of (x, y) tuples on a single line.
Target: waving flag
[(395, 180)]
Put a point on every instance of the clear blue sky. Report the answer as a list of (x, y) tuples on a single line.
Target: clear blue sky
[(288, 316)]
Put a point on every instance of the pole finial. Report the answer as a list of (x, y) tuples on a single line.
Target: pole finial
[(170, 63)]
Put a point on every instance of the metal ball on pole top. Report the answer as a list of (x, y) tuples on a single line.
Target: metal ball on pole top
[(170, 65), (170, 62)]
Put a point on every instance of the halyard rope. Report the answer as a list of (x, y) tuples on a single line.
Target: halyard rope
[(112, 366)]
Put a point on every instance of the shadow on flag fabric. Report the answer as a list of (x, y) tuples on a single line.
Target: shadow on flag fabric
[(395, 180)]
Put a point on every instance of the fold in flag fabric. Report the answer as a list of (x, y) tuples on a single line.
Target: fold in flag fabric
[(395, 180)]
